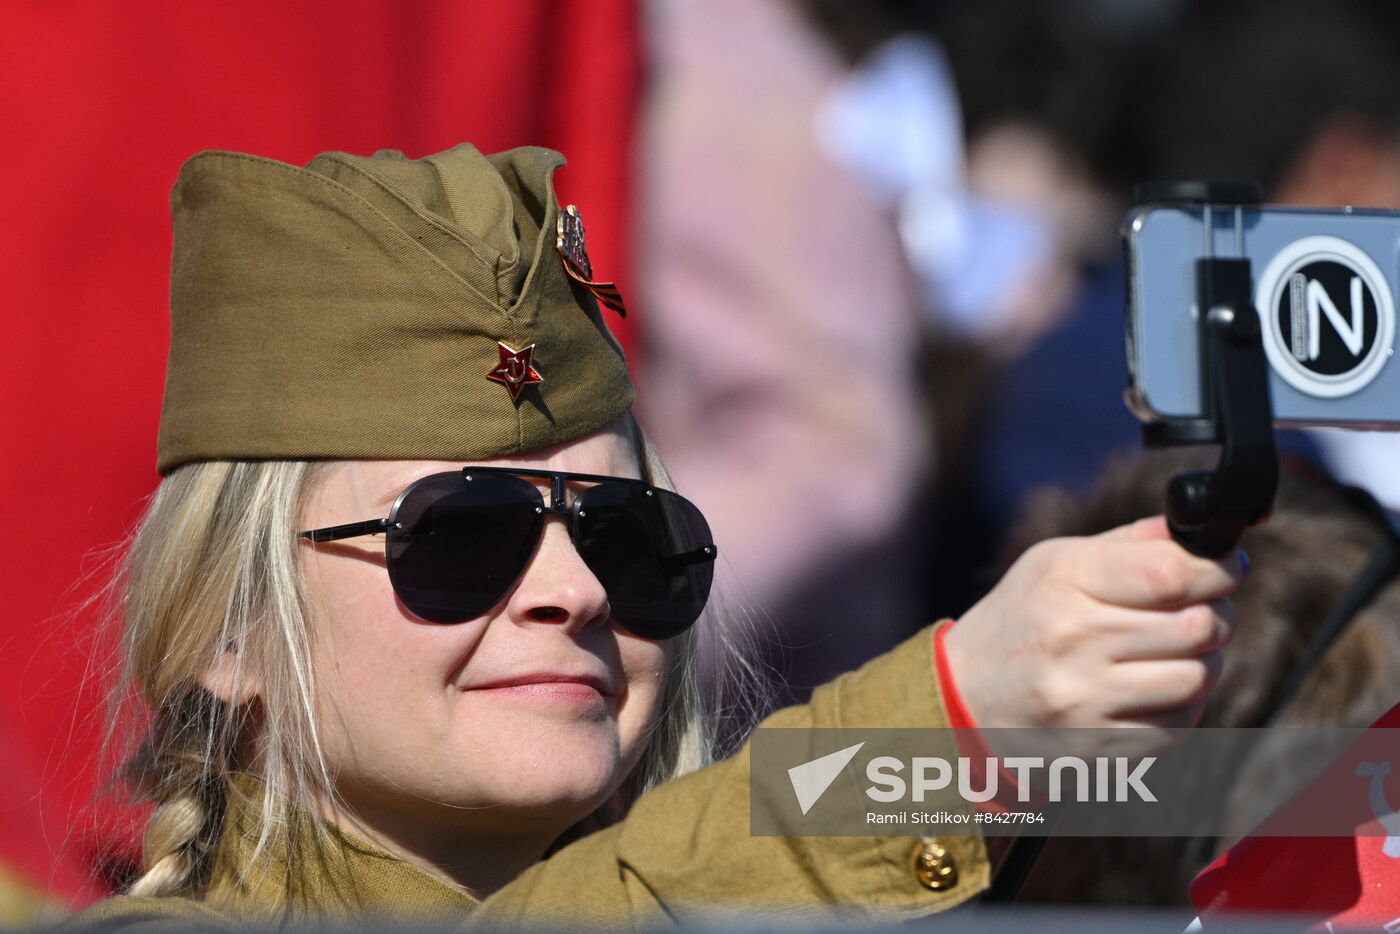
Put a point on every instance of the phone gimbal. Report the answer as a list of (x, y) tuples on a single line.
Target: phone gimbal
[(1208, 510)]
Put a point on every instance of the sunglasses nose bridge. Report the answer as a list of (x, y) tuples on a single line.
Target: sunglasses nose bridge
[(556, 509)]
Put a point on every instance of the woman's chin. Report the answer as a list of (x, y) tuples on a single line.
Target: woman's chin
[(568, 773), (570, 790)]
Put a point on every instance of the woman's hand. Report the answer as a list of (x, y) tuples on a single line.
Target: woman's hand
[(1121, 629)]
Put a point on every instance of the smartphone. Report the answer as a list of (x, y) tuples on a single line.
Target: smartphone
[(1325, 284)]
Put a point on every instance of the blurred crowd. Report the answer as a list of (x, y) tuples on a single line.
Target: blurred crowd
[(879, 256), (877, 292), (878, 252)]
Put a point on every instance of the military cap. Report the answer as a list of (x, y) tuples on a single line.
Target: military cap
[(382, 307)]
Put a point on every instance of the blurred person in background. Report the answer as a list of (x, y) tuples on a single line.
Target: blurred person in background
[(1046, 92), (805, 233), (781, 350)]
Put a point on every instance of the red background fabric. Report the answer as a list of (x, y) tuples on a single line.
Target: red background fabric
[(100, 103)]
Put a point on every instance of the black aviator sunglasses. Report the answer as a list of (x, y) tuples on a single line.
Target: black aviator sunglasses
[(457, 542)]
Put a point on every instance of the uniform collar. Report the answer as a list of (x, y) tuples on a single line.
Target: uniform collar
[(310, 868)]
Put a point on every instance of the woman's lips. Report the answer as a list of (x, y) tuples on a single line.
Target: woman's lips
[(548, 686)]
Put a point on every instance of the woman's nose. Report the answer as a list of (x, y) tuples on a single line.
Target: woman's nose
[(557, 587)]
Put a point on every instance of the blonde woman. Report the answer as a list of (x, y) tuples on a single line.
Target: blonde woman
[(413, 609)]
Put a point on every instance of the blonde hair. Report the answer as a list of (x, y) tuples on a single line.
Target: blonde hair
[(212, 581)]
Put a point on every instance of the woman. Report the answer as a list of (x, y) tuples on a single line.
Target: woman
[(412, 608)]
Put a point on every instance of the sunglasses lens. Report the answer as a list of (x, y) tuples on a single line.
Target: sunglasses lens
[(652, 552), (462, 543)]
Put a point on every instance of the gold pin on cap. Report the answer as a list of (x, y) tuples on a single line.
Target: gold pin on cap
[(576, 263)]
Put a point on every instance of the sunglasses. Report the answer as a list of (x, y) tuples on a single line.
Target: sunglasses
[(457, 542)]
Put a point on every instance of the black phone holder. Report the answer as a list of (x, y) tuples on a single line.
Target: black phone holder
[(1208, 510)]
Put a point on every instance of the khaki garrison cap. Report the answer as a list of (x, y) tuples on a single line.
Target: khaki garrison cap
[(379, 307)]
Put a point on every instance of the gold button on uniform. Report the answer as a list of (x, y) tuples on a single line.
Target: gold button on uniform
[(934, 866)]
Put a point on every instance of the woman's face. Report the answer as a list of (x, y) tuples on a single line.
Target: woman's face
[(421, 731)]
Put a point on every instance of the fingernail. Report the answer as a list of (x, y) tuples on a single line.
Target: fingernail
[(1244, 562)]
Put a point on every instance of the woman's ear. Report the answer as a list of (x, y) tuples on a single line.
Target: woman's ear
[(230, 678)]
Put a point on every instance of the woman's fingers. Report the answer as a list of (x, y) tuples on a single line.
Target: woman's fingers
[(1149, 689), (1124, 627), (1138, 635), (1152, 573), (1153, 527)]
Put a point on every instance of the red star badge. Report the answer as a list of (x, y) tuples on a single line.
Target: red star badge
[(515, 371)]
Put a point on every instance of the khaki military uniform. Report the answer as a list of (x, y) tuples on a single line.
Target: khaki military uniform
[(683, 852)]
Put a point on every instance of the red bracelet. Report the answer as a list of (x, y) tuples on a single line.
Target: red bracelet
[(958, 717), (970, 744)]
